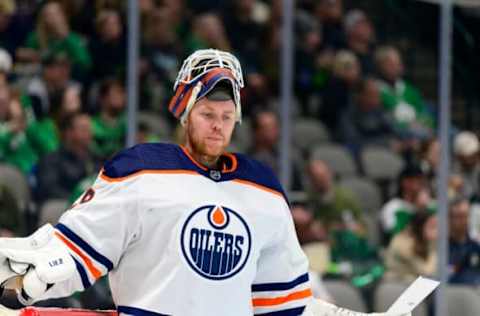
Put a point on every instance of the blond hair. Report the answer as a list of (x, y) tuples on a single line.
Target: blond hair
[(343, 60), (42, 30), (384, 52)]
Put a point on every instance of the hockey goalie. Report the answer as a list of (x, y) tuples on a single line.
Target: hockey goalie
[(180, 229)]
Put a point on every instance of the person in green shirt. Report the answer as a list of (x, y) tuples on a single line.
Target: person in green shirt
[(401, 98), (15, 147), (413, 196), (109, 126), (340, 212), (332, 204), (43, 135), (52, 35)]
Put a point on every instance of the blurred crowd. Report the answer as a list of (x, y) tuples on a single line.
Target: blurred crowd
[(364, 151)]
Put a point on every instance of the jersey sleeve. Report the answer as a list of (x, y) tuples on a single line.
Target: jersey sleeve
[(98, 229), (281, 286)]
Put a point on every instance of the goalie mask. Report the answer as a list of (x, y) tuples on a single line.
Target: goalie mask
[(201, 72)]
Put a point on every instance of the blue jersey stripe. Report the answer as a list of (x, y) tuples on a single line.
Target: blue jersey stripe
[(137, 311), (83, 274), (84, 246), (286, 312), (265, 287)]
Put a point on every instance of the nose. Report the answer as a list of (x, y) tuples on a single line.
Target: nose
[(217, 124)]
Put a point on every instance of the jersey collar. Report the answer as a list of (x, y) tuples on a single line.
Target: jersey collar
[(228, 163)]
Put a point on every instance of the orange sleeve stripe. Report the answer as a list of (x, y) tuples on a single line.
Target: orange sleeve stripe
[(264, 302), (259, 186), (93, 270), (138, 173)]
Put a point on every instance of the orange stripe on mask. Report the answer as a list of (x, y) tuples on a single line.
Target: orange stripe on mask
[(265, 302), (183, 103), (215, 72), (94, 271), (175, 97)]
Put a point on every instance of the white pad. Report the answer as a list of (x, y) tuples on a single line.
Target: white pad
[(45, 256)]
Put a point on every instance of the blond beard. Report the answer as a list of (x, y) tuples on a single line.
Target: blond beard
[(199, 149)]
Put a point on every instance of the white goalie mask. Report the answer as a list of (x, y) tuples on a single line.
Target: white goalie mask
[(199, 74)]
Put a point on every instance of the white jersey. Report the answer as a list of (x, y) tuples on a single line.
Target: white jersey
[(179, 239)]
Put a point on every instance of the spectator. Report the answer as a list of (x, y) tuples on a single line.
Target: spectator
[(179, 16), (360, 34), (248, 38), (365, 122), (55, 78), (310, 75), (340, 212), (401, 98), (265, 147), (43, 133), (464, 252), (160, 53), (330, 15), (15, 147), (79, 14), (15, 117), (307, 227), (466, 163), (60, 171), (14, 26), (245, 33), (271, 46), (339, 89), (207, 32), (412, 252), (412, 190), (6, 65), (107, 46), (429, 159), (109, 126), (332, 205), (53, 35)]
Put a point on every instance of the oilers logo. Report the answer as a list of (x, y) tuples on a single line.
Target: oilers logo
[(216, 242)]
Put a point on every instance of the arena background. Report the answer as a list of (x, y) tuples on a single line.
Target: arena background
[(367, 110)]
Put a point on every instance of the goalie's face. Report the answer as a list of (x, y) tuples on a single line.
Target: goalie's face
[(209, 128)]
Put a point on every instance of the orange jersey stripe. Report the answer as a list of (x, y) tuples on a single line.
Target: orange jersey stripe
[(185, 151), (263, 302), (258, 186), (93, 270), (178, 171), (234, 163), (224, 169)]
